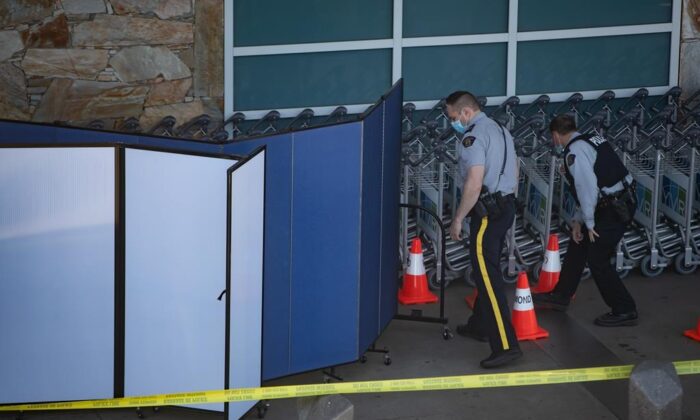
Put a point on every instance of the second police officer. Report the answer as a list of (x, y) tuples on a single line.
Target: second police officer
[(604, 192), (488, 171)]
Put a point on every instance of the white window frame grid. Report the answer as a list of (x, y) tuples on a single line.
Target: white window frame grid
[(397, 43)]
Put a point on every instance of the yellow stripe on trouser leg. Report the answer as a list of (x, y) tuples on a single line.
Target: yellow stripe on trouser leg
[(487, 282)]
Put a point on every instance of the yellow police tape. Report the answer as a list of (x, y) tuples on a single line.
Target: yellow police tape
[(561, 376)]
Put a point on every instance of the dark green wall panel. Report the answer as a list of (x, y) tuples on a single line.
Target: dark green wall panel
[(434, 72), (272, 22), (454, 17), (317, 79), (542, 15), (572, 65)]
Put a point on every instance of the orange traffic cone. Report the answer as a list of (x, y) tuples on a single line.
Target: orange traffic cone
[(524, 318), (549, 274), (471, 299), (694, 334), (415, 283)]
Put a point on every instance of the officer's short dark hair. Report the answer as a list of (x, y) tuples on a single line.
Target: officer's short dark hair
[(463, 99), (563, 124)]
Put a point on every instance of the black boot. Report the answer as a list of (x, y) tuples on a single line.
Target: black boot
[(467, 330), (612, 319), (501, 358), (550, 301)]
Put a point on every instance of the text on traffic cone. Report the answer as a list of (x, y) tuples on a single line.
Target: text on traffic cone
[(523, 315)]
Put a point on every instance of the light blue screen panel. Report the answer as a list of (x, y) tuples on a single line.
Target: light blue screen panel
[(246, 282), (175, 270), (56, 274), (614, 62), (278, 237)]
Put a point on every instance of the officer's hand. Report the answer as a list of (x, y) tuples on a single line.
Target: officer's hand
[(456, 230), (592, 234), (576, 234)]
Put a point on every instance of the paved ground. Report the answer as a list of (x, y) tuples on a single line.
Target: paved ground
[(668, 305)]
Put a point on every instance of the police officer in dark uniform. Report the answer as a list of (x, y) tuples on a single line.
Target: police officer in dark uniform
[(488, 172), (604, 192)]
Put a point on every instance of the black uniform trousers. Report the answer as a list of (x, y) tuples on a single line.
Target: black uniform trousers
[(491, 310), (598, 255)]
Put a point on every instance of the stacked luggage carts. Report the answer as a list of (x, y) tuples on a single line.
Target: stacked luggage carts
[(240, 127), (657, 138), (429, 171), (659, 147)]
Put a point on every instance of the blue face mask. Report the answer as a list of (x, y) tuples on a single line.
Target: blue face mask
[(458, 126)]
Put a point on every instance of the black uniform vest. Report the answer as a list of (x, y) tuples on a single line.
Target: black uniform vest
[(608, 167)]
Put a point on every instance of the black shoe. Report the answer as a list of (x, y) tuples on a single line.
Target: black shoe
[(550, 301), (466, 330), (501, 358), (617, 320)]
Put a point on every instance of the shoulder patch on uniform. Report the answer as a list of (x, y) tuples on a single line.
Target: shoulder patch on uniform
[(468, 141), (570, 159)]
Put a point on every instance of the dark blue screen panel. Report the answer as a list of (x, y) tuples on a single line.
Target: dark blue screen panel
[(391, 182), (325, 242), (370, 257), (278, 231)]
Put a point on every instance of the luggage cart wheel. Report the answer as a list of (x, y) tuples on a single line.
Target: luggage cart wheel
[(536, 270), (507, 277), (623, 273), (434, 283), (680, 266), (387, 359), (363, 359), (262, 407), (447, 334), (468, 277), (647, 269)]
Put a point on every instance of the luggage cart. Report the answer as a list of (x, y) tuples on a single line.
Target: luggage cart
[(678, 198), (647, 168), (541, 172)]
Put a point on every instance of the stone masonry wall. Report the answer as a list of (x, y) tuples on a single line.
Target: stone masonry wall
[(76, 61), (690, 47)]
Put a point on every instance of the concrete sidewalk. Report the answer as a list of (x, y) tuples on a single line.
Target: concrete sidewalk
[(667, 306)]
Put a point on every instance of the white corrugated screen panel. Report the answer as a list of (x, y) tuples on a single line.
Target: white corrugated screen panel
[(57, 211)]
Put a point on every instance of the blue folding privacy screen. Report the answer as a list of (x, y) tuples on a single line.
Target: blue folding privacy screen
[(134, 265), (332, 238)]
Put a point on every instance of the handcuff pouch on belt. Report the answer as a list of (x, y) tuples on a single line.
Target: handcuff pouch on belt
[(623, 203), (491, 205)]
